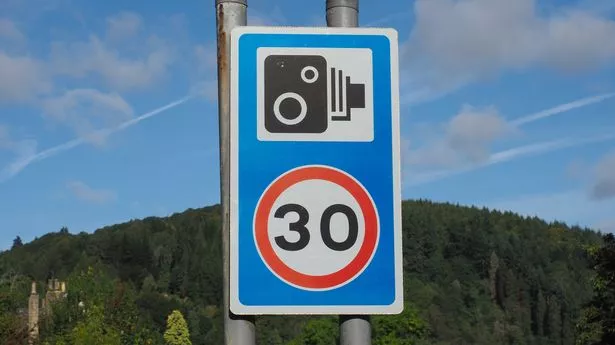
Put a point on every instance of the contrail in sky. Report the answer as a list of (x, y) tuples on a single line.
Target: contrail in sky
[(21, 163), (509, 155), (521, 151), (562, 108)]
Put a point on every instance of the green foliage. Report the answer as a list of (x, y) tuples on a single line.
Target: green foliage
[(589, 327), (471, 276), (98, 303), (14, 289), (597, 324), (319, 331), (11, 331), (94, 330), (177, 332), (407, 328), (486, 277)]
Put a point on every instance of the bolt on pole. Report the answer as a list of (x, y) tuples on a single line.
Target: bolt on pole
[(354, 329), (229, 14)]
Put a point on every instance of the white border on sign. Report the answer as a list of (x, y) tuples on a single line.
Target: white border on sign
[(235, 305)]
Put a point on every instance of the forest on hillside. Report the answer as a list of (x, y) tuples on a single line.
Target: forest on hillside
[(471, 276)]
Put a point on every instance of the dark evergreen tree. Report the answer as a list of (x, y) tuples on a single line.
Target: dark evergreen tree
[(17, 243), (598, 324)]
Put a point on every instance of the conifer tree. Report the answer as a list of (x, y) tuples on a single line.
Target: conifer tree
[(177, 332)]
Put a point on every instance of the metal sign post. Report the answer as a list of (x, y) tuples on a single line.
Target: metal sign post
[(238, 330), (354, 329)]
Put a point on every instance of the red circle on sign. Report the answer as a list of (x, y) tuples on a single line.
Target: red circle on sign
[(285, 272)]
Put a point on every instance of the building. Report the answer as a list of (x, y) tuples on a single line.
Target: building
[(38, 309), (33, 314)]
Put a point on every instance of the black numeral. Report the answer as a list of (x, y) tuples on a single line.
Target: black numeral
[(325, 227), (298, 226)]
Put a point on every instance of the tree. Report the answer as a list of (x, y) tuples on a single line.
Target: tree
[(472, 276), (177, 332), (406, 328), (598, 321), (93, 330), (17, 242), (589, 327), (318, 331)]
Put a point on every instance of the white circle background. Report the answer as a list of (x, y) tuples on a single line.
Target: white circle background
[(315, 196)]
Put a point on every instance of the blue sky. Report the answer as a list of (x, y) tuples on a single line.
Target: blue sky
[(505, 104)]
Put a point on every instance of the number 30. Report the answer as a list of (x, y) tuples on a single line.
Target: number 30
[(325, 227)]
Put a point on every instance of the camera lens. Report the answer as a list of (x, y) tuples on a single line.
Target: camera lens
[(292, 120), (309, 74)]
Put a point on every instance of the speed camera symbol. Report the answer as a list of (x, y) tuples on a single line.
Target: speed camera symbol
[(303, 94)]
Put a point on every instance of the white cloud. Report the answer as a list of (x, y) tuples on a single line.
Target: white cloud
[(206, 57), (578, 40), (125, 57), (10, 32), (604, 184), (122, 26), (207, 89), (206, 83), (472, 130), (86, 193), (128, 56), (469, 135), (455, 42), (22, 78), (28, 154), (95, 56), (510, 155), (467, 139), (88, 110)]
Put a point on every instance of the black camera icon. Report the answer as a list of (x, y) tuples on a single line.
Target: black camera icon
[(302, 94)]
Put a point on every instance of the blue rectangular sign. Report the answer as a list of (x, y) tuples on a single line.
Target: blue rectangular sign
[(315, 212)]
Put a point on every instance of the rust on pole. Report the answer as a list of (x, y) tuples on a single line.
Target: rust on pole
[(238, 330)]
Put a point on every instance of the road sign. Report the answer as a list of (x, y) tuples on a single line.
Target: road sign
[(315, 214)]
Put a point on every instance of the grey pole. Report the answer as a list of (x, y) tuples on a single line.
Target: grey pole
[(229, 14), (343, 13), (354, 329)]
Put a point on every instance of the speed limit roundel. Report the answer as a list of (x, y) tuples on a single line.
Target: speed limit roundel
[(316, 227)]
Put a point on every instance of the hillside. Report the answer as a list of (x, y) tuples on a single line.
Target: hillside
[(472, 276)]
